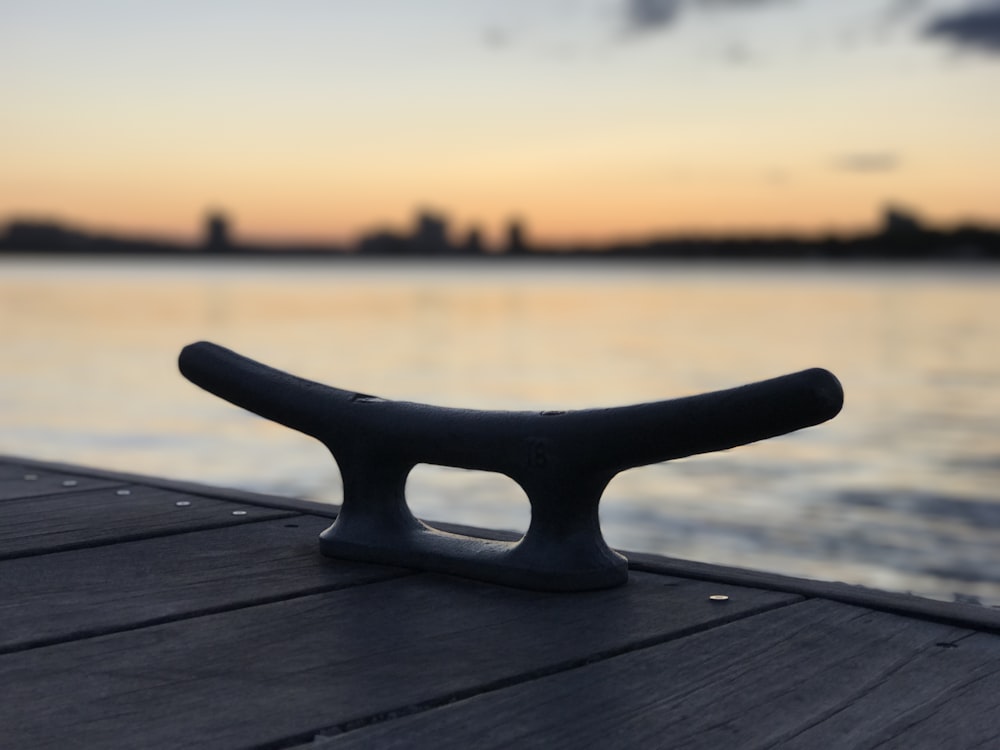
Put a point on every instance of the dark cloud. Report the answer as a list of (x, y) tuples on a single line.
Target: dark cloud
[(975, 28), (875, 161), (647, 15), (652, 15)]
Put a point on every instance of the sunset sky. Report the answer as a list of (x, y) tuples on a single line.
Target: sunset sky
[(592, 119)]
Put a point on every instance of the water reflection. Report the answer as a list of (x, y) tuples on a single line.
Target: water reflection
[(897, 492)]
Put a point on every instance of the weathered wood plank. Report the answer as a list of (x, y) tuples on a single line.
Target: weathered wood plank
[(951, 613), (433, 661), (955, 613), (176, 485), (960, 711), (813, 675), (80, 593), (282, 671), (80, 519), (19, 481)]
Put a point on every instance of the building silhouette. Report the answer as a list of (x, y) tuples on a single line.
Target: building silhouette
[(516, 242), (431, 233), (473, 242), (899, 221), (217, 238)]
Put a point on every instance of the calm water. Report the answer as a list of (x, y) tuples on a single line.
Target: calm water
[(899, 492)]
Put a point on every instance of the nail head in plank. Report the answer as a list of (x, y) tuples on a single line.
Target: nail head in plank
[(282, 670), (46, 524), (19, 482), (77, 593), (951, 613), (176, 485)]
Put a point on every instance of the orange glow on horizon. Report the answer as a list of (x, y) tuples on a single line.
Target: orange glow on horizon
[(555, 211), (138, 122)]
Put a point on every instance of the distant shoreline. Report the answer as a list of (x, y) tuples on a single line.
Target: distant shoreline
[(902, 238), (490, 259), (545, 266)]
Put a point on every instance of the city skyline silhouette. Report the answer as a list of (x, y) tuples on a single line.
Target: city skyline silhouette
[(901, 234)]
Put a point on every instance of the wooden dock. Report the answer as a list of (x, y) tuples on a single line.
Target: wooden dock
[(145, 613)]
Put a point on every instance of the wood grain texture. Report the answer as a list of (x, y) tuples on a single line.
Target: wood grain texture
[(284, 671), (818, 674), (52, 523), (80, 593), (213, 638)]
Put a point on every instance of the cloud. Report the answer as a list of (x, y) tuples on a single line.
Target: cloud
[(974, 28), (900, 10), (872, 161), (648, 15), (898, 13), (655, 15), (737, 53), (497, 37), (726, 4)]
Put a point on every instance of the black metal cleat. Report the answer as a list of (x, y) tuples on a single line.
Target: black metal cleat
[(562, 460)]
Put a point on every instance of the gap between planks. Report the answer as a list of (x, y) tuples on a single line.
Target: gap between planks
[(304, 739)]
